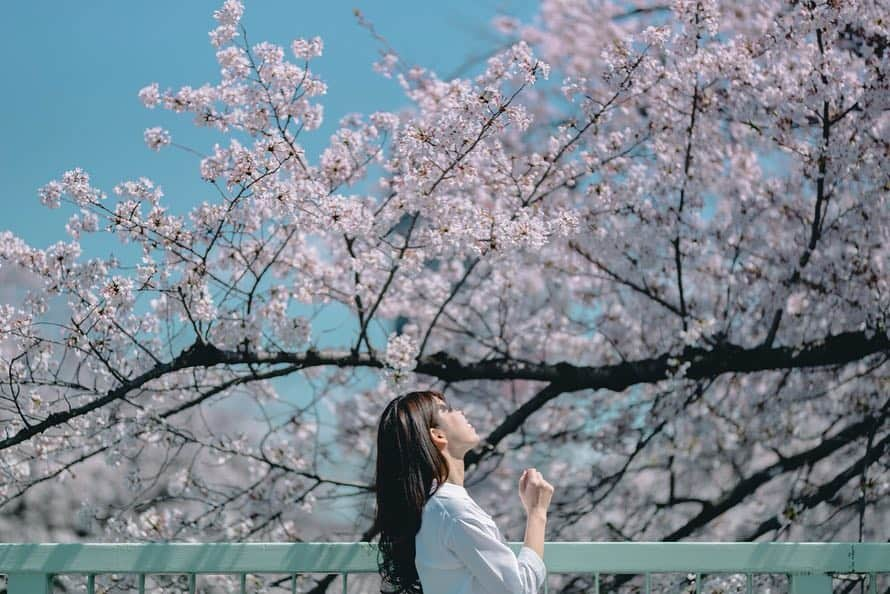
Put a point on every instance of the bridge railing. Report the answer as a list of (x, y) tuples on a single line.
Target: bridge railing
[(810, 567)]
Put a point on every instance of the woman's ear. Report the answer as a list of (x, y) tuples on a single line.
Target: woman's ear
[(438, 437)]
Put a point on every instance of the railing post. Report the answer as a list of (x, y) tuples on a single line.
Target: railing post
[(810, 584), (29, 583)]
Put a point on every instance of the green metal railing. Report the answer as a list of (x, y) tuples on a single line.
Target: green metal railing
[(809, 566)]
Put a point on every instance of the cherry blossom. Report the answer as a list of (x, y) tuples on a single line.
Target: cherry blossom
[(644, 246), (156, 137)]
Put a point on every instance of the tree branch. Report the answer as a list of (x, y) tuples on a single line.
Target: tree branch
[(749, 485), (836, 349), (827, 490)]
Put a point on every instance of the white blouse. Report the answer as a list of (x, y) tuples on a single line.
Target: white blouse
[(459, 550)]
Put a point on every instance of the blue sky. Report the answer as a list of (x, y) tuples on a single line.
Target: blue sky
[(73, 70)]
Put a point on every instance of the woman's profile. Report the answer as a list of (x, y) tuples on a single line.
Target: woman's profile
[(433, 537)]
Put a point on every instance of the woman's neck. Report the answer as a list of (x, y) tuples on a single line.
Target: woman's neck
[(455, 470)]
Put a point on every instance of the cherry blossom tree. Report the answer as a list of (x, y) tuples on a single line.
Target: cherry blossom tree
[(646, 246)]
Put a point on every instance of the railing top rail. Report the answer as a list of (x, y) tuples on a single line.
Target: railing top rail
[(359, 557)]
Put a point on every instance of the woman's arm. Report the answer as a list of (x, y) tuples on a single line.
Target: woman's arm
[(535, 494), (535, 525)]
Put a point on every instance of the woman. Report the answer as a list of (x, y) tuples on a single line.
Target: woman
[(433, 537)]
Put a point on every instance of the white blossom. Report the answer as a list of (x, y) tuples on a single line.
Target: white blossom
[(401, 352), (156, 137)]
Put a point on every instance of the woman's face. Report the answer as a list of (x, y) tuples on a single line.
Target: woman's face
[(460, 434)]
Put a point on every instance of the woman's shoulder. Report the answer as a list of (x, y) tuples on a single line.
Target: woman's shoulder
[(453, 508), (440, 503), (452, 515)]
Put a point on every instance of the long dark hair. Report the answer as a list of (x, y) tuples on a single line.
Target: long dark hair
[(407, 463)]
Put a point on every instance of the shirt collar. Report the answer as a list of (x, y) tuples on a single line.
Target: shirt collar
[(451, 490)]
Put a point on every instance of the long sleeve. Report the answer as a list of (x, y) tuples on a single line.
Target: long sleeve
[(492, 562)]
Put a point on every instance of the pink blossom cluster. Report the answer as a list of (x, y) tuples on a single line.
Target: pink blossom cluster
[(692, 178)]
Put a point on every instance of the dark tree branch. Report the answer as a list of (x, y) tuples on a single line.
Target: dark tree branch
[(834, 350), (749, 485), (746, 487), (827, 490), (838, 349), (820, 208), (511, 424)]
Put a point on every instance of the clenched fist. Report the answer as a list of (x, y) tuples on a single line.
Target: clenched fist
[(534, 491)]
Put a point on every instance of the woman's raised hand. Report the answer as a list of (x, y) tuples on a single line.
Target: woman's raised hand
[(534, 491)]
